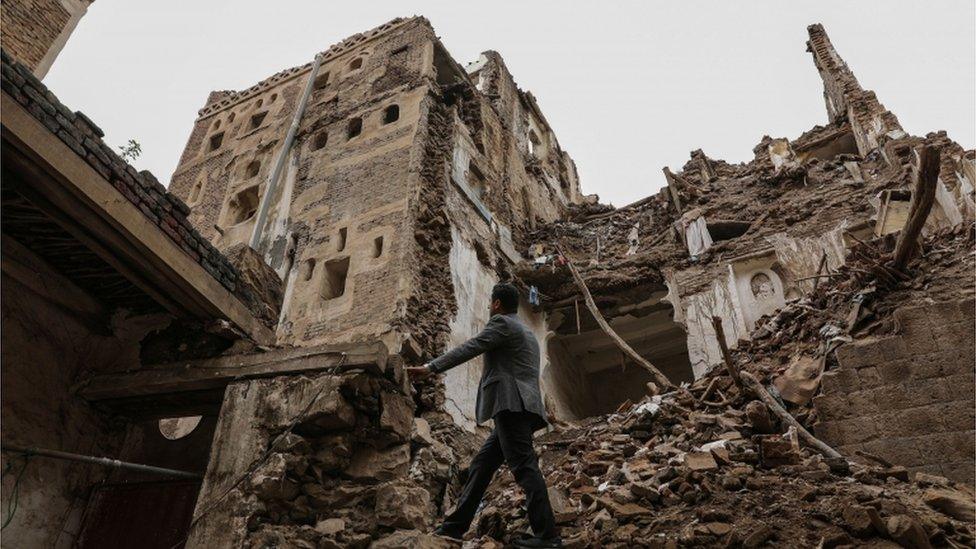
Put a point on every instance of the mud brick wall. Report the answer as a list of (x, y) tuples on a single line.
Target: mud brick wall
[(30, 27), (908, 398)]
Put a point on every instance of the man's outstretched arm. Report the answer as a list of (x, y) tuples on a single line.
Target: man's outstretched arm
[(490, 337)]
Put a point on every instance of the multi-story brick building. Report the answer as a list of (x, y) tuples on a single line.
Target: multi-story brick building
[(407, 174)]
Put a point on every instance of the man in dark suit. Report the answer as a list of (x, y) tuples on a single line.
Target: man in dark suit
[(509, 394)]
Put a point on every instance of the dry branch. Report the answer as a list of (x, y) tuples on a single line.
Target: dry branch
[(659, 378), (753, 384)]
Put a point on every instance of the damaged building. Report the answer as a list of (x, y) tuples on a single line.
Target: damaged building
[(238, 339)]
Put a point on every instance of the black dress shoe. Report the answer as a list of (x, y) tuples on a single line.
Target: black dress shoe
[(448, 533), (537, 543)]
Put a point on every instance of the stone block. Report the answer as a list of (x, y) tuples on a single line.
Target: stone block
[(397, 415), (894, 348), (830, 432), (862, 403), (959, 471), (831, 407), (859, 429), (860, 354), (958, 416), (919, 420), (402, 505), (961, 387), (941, 313), (890, 397), (927, 366), (899, 451), (923, 392), (371, 464), (867, 378), (895, 371)]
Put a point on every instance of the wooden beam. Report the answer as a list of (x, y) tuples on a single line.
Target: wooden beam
[(756, 387), (726, 355), (673, 189), (215, 373), (922, 200), (659, 378)]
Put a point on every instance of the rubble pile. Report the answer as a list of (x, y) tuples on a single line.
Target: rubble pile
[(674, 471), (351, 469), (850, 302)]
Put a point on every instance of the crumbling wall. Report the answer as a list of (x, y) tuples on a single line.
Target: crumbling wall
[(334, 459), (908, 398)]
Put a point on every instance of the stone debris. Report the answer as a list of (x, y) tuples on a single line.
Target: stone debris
[(661, 490)]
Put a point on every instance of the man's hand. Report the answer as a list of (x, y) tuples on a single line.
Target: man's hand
[(417, 373)]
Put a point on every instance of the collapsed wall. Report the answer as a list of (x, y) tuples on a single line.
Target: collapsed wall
[(742, 249), (331, 459)]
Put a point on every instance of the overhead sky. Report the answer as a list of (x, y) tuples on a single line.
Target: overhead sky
[(629, 87)]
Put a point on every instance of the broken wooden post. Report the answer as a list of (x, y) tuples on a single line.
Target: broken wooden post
[(820, 267), (922, 199), (673, 189), (753, 384), (726, 355), (659, 378)]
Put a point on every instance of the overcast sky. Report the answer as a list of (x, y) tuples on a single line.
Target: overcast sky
[(629, 87)]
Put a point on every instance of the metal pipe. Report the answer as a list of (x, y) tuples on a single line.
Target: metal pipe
[(279, 164), (107, 462)]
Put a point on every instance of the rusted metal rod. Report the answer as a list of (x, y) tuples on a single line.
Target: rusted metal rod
[(106, 462)]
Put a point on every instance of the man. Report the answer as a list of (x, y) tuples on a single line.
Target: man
[(508, 394)]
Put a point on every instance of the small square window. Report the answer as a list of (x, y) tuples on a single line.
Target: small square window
[(321, 81), (216, 140), (378, 246), (355, 127), (341, 240), (391, 114), (308, 268), (319, 140), (334, 282), (258, 119), (252, 169)]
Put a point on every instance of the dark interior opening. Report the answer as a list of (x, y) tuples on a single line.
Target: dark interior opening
[(591, 376), (727, 230), (336, 272)]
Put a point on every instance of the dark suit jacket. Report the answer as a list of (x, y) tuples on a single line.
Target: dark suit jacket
[(510, 377)]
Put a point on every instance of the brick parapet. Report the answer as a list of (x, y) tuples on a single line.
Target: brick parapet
[(909, 398), (141, 188)]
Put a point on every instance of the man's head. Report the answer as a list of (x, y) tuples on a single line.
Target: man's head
[(504, 299)]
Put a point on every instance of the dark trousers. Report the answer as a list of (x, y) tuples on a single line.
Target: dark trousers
[(509, 443)]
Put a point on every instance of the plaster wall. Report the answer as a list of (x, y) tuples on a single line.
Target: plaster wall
[(472, 291), (754, 286), (47, 343)]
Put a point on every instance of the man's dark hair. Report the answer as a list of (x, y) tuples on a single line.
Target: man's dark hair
[(508, 295)]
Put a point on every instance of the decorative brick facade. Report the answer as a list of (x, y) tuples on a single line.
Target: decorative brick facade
[(908, 398)]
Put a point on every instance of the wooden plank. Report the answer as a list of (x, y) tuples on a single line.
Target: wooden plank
[(212, 373)]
